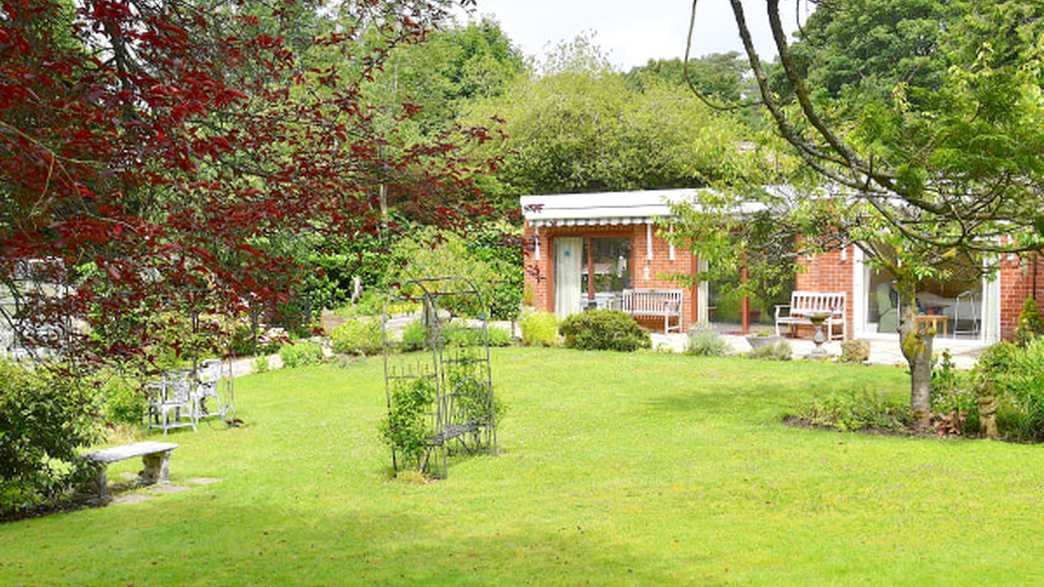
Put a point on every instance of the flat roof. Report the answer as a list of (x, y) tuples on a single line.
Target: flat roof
[(633, 207)]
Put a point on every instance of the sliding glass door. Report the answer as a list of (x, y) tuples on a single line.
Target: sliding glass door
[(957, 302), (590, 270)]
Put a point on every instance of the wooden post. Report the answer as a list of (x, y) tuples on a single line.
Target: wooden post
[(694, 312), (590, 268), (550, 274), (745, 307)]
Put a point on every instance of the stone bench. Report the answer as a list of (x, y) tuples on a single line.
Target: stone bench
[(154, 455)]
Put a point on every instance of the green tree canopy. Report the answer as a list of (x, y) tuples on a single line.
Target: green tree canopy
[(862, 49), (726, 76), (922, 124), (580, 126), (455, 65)]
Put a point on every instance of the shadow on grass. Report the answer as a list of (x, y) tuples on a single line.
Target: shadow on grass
[(304, 543)]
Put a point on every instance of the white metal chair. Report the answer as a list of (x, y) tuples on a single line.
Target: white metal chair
[(968, 305), (172, 394), (207, 378)]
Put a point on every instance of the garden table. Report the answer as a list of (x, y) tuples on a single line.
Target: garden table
[(933, 320)]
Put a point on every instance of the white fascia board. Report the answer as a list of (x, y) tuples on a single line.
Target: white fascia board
[(654, 203), (613, 205)]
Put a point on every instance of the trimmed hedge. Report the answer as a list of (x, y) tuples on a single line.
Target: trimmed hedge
[(608, 330)]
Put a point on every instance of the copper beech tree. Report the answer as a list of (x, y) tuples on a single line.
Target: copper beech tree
[(155, 153)]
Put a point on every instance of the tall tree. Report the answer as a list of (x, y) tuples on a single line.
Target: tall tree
[(927, 152), (580, 126), (154, 153), (725, 76)]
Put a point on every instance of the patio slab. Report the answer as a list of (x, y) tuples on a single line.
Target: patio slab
[(882, 351)]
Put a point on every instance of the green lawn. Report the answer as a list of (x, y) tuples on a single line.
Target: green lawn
[(634, 469)]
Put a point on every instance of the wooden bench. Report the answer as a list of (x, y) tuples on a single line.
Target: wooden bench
[(154, 455), (803, 303), (655, 303)]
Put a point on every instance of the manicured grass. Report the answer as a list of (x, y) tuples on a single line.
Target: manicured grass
[(632, 469)]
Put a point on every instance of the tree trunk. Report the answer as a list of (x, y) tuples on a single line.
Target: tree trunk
[(916, 346)]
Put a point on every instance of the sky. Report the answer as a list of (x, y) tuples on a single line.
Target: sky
[(634, 31)]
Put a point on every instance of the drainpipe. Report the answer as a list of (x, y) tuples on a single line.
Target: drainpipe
[(745, 307), (1036, 263)]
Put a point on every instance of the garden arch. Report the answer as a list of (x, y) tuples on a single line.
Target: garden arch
[(439, 401)]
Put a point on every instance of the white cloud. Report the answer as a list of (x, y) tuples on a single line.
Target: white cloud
[(631, 31)]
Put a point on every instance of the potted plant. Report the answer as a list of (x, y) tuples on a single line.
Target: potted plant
[(762, 338)]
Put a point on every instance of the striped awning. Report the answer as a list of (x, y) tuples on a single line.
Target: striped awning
[(553, 222), (609, 208)]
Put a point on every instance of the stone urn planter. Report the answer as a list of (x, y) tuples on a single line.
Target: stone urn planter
[(817, 319), (757, 342)]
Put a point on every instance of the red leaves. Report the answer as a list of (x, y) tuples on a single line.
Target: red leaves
[(174, 147)]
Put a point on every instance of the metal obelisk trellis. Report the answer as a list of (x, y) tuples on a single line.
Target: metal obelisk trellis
[(462, 417)]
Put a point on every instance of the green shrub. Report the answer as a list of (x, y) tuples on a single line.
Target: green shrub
[(1021, 393), (261, 364), (1031, 324), (406, 427), (857, 410), (45, 420), (463, 336), (995, 361), (371, 303), (428, 252), (704, 341), (855, 351), (498, 337), (469, 386), (268, 341), (778, 351), (954, 401), (414, 336), (539, 329), (124, 400), (609, 330), (497, 245), (361, 336), (301, 353)]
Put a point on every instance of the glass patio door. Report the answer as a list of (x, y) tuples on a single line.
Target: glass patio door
[(960, 303)]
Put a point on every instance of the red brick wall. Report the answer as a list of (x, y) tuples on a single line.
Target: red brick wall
[(830, 273), (1016, 284), (539, 273)]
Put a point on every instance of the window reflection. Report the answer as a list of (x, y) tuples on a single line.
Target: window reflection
[(611, 257)]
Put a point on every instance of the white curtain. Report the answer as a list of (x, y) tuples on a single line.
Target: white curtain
[(568, 261)]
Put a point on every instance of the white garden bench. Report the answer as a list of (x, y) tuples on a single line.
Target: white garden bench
[(803, 303), (154, 455), (654, 303)]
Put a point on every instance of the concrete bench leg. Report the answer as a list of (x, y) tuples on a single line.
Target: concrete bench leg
[(101, 483), (157, 468)]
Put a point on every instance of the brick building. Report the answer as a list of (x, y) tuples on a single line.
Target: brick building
[(585, 250)]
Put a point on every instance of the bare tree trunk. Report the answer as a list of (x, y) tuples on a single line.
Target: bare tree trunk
[(917, 349)]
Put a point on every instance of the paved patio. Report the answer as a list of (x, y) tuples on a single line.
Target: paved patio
[(883, 351)]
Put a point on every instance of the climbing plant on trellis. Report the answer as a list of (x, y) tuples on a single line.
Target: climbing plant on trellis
[(440, 401)]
